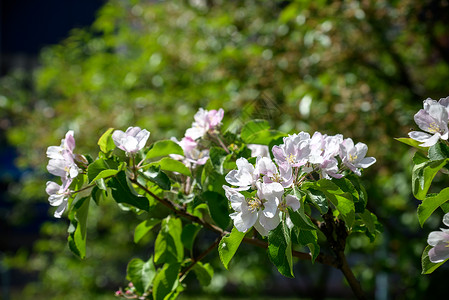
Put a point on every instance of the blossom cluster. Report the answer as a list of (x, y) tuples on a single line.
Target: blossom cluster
[(62, 163), (268, 184), (132, 140), (439, 240), (433, 119), (206, 122)]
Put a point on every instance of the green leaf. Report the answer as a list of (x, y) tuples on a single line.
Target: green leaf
[(427, 266), (78, 227), (309, 238), (346, 186), (318, 199), (204, 273), (164, 148), (439, 151), (258, 132), (301, 220), (218, 207), (141, 274), (166, 281), (280, 249), (171, 165), (122, 194), (423, 173), (430, 204), (217, 158), (168, 247), (100, 165), (188, 235), (343, 201), (105, 173), (143, 228), (105, 142), (229, 245), (413, 143), (362, 200), (369, 220), (154, 174), (211, 180)]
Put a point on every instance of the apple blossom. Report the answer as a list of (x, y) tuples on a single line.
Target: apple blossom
[(354, 156), (432, 119), (192, 153), (244, 177), (259, 150), (205, 121), (439, 240), (265, 166), (294, 151), (58, 195), (131, 141)]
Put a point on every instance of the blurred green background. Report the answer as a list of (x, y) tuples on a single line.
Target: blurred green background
[(360, 68)]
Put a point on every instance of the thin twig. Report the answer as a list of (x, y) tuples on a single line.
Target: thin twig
[(183, 274)]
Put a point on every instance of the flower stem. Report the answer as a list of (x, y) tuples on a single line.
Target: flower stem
[(183, 274)]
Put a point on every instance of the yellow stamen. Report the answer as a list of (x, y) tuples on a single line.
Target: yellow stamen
[(254, 204)]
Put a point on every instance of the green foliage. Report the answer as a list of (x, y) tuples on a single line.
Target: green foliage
[(427, 266), (218, 207), (143, 228), (120, 190), (280, 249), (204, 273), (105, 142), (78, 227), (164, 148), (168, 247), (166, 282), (229, 245), (259, 132), (141, 274)]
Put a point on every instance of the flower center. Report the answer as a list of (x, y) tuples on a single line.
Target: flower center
[(291, 159), (283, 206), (433, 127), (352, 157), (255, 204), (276, 178)]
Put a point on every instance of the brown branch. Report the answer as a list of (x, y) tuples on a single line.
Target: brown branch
[(321, 258), (183, 274)]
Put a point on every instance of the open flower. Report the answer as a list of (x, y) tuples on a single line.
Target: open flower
[(259, 150), (192, 153), (294, 151), (205, 121), (66, 147), (62, 161), (354, 156), (244, 177), (260, 211), (131, 141), (266, 167), (58, 195), (432, 119), (439, 240)]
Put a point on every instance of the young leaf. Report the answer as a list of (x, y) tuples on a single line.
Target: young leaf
[(168, 247), (229, 245), (171, 165), (300, 219), (141, 274), (105, 142), (413, 143), (439, 151), (166, 281), (309, 238), (423, 173), (217, 158), (122, 194), (100, 165), (188, 235), (78, 227), (143, 228), (258, 132), (164, 148), (280, 249), (204, 273), (318, 199), (154, 174), (427, 266), (430, 204), (218, 207), (369, 220)]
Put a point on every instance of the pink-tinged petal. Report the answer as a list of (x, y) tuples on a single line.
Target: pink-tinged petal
[(130, 144), (446, 217), (293, 202), (118, 136), (70, 141), (249, 218), (270, 208), (56, 200), (52, 188), (436, 237), (361, 150), (195, 132), (60, 210), (142, 137), (269, 223), (132, 131), (259, 150), (262, 231), (54, 152), (278, 153), (419, 136), (57, 167), (431, 141), (439, 253), (366, 162), (265, 166)]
